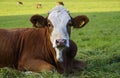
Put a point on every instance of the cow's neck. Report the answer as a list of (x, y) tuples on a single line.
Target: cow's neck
[(51, 50)]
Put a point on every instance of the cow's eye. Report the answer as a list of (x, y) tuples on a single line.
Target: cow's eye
[(50, 27), (49, 24)]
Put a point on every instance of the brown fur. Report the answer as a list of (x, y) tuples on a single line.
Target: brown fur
[(69, 63), (31, 49), (38, 21), (78, 21)]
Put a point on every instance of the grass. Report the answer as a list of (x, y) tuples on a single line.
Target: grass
[(98, 42)]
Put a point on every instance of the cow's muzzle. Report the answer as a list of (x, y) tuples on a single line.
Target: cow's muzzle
[(61, 42)]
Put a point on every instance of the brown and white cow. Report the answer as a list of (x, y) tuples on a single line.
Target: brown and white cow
[(46, 47)]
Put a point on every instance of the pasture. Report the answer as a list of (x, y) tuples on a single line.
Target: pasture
[(98, 42)]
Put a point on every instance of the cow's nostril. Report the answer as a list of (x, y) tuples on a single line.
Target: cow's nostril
[(61, 42)]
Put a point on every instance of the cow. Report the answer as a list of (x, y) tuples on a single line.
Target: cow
[(60, 3), (39, 5), (45, 47), (19, 2)]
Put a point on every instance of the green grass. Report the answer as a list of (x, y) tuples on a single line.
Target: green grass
[(98, 42)]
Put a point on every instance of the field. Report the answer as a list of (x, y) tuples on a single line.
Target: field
[(98, 42)]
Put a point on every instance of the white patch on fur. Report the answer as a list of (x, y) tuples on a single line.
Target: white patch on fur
[(59, 54), (59, 17)]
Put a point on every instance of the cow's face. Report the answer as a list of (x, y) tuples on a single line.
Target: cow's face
[(59, 20), (59, 23)]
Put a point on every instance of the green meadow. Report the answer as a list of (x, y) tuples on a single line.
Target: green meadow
[(98, 42)]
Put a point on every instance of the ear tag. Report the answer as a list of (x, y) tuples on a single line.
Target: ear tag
[(82, 23), (38, 24)]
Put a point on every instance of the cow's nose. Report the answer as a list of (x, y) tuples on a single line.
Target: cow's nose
[(61, 42)]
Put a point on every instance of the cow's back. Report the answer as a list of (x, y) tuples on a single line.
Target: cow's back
[(9, 46)]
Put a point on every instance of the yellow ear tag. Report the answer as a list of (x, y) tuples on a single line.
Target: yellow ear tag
[(82, 23), (38, 24)]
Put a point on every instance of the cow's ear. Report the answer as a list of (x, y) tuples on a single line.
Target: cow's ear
[(38, 21), (80, 21)]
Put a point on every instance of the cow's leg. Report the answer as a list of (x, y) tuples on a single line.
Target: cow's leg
[(60, 68), (35, 66), (68, 57), (67, 64)]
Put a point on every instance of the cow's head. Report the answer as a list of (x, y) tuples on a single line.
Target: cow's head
[(59, 23)]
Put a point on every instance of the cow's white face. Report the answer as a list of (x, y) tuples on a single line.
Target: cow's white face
[(59, 18), (59, 21)]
